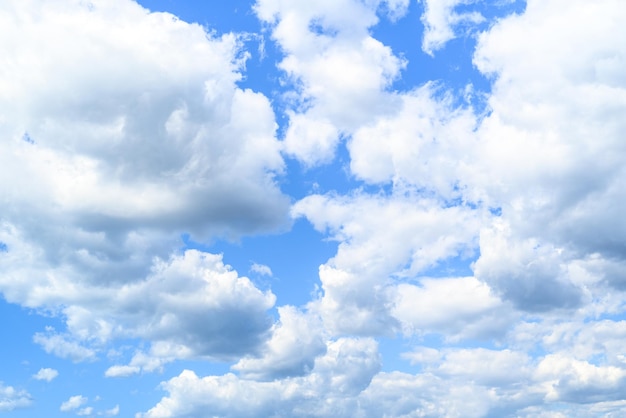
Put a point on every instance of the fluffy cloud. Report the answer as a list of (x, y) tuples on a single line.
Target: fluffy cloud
[(46, 374), (297, 339), (541, 131), (426, 143), (459, 308), (317, 39), (453, 383), (345, 370), (191, 306), (440, 20), (382, 239), (74, 402), (122, 129), (11, 398), (533, 276)]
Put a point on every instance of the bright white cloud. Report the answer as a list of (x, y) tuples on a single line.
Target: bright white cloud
[(382, 239), (440, 21), (426, 143), (46, 374), (74, 402), (11, 398), (459, 308), (123, 129), (84, 412), (318, 39), (122, 371), (344, 371), (136, 133), (297, 339), (190, 306)]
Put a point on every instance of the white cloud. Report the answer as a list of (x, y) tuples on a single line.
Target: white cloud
[(74, 402), (190, 306), (456, 307), (550, 155), (121, 371), (382, 239), (113, 412), (46, 374), (573, 380), (297, 339), (344, 371), (83, 412), (531, 275), (125, 112), (425, 143), (64, 346), (317, 39), (11, 398), (440, 20), (261, 269)]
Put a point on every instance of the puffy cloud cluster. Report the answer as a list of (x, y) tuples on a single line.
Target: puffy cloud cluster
[(471, 382), (317, 39), (120, 134), (340, 374), (121, 130), (76, 404), (11, 398), (382, 239)]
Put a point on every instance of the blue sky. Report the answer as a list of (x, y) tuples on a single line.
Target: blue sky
[(340, 208)]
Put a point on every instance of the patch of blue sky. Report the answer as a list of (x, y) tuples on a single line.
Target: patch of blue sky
[(294, 259), (451, 67), (27, 138), (457, 266), (19, 326)]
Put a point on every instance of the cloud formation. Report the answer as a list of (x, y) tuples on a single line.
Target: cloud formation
[(46, 374), (130, 131), (487, 244), (11, 398)]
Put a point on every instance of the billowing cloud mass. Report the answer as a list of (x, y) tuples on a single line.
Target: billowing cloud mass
[(474, 228), (129, 131)]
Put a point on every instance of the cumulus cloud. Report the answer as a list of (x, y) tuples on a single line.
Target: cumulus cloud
[(11, 398), (381, 240), (297, 339), (113, 148), (425, 143), (190, 306), (316, 39), (341, 373), (460, 308), (123, 129), (533, 276), (74, 402), (46, 374)]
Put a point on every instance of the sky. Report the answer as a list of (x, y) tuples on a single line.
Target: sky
[(331, 208)]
